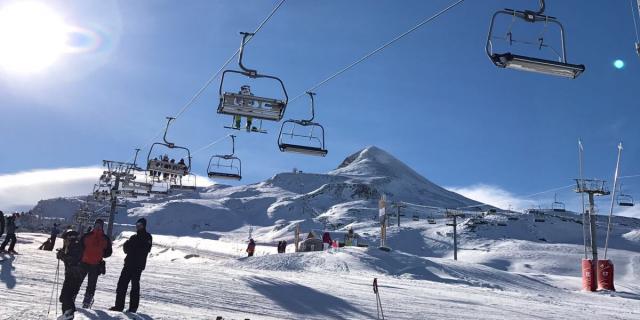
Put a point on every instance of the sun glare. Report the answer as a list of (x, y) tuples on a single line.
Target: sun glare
[(32, 37)]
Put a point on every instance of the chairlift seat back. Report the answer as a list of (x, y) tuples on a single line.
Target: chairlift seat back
[(251, 106)]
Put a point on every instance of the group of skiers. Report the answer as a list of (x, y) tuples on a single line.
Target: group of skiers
[(10, 227), (83, 256), (311, 243)]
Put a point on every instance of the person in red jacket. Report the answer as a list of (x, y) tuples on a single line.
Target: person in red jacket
[(326, 240), (96, 246), (251, 248)]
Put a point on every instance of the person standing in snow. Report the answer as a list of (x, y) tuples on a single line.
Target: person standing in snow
[(54, 235), (251, 248), (70, 255), (326, 240), (96, 246), (136, 248), (349, 238), (11, 234), (1, 223)]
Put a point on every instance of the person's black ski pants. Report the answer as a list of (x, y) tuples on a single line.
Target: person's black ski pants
[(9, 237), (129, 274)]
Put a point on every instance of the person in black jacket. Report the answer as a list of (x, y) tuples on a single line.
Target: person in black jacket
[(10, 238), (136, 248), (70, 255), (1, 223)]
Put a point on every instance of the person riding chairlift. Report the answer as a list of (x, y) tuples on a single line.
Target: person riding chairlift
[(245, 90)]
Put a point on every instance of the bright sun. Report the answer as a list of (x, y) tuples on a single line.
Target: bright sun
[(32, 37)]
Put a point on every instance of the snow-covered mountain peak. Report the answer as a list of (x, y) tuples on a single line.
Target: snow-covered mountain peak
[(374, 162)]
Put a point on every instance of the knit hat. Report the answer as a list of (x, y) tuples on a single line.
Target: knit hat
[(143, 222), (99, 222)]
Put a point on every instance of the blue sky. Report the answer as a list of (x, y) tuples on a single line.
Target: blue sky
[(434, 100)]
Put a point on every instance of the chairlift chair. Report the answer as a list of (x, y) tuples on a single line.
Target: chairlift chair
[(532, 64), (431, 220), (226, 166), (291, 138), (159, 168), (249, 105), (557, 206), (625, 200)]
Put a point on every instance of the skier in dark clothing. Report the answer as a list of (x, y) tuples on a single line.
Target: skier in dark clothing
[(251, 248), (54, 235), (1, 223), (11, 234), (70, 254), (96, 246), (136, 248), (51, 242)]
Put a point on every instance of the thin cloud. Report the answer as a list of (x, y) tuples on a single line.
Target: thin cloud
[(22, 190), (495, 196)]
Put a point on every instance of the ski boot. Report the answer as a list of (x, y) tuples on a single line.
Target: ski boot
[(87, 303), (13, 252), (67, 315)]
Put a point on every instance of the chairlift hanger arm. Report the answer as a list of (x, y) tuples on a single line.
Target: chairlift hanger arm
[(250, 72), (166, 129)]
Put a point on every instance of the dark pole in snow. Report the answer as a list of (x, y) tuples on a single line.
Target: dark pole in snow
[(455, 238)]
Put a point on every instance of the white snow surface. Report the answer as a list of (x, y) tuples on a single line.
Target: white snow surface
[(509, 267)]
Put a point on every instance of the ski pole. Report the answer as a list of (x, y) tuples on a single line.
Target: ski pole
[(378, 301), (53, 288)]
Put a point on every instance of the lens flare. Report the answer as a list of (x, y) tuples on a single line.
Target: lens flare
[(619, 64)]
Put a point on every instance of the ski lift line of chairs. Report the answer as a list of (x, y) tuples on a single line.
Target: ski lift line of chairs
[(164, 167), (226, 166), (532, 64), (290, 140), (247, 104)]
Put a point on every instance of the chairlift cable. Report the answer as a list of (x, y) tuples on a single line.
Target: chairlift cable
[(547, 191), (206, 85), (211, 144), (368, 55)]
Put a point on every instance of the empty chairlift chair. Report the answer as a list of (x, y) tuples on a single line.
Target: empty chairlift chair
[(163, 168), (226, 166), (559, 68), (624, 200), (244, 103), (303, 136), (557, 206)]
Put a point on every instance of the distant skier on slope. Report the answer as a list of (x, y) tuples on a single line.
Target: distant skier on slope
[(11, 234), (136, 248), (96, 246), (51, 242), (326, 240), (70, 254), (251, 248)]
